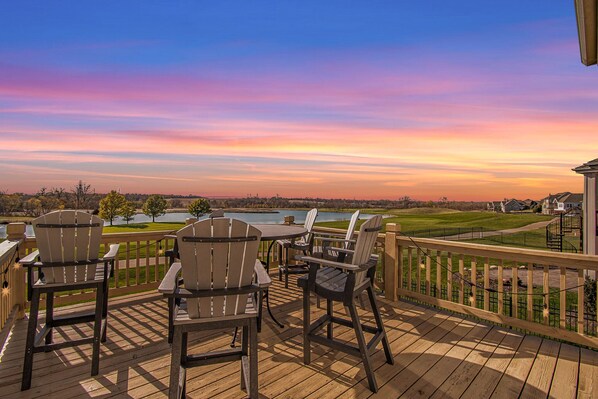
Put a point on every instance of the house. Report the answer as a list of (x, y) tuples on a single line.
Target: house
[(561, 202), (568, 201), (530, 203), (549, 202), (494, 206), (513, 205)]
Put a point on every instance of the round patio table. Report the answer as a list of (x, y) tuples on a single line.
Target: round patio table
[(273, 232)]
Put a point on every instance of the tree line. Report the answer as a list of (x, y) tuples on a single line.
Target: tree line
[(82, 196)]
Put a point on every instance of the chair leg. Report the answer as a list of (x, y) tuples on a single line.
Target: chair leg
[(253, 361), (286, 278), (175, 389), (280, 262), (380, 324), (49, 317), (329, 328), (363, 348), (244, 352), (97, 331), (306, 325), (31, 329), (105, 312), (170, 323)]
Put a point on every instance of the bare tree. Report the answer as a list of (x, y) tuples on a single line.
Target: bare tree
[(81, 193)]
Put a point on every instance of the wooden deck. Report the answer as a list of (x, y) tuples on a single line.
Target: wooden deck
[(437, 354)]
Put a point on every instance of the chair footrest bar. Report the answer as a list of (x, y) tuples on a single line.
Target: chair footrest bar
[(375, 340), (60, 345), (69, 320), (322, 322), (341, 346), (213, 358), (348, 323)]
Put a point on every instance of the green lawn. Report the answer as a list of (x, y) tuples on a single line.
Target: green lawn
[(137, 227), (412, 220)]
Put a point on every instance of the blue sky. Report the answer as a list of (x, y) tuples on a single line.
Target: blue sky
[(378, 99)]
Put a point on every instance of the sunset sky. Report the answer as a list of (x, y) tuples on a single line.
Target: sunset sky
[(470, 100)]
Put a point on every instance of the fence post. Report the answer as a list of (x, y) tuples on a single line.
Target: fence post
[(16, 232), (392, 270)]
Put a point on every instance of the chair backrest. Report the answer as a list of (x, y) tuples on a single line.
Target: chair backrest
[(68, 236), (368, 233), (310, 219), (351, 229), (216, 254)]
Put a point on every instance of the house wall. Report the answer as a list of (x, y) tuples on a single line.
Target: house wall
[(590, 211)]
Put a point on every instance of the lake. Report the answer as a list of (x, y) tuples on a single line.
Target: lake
[(276, 216)]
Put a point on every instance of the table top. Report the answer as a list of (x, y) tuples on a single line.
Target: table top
[(279, 231)]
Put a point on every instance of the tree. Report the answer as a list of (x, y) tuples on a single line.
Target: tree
[(127, 211), (110, 205), (199, 207), (175, 203), (81, 193), (154, 206)]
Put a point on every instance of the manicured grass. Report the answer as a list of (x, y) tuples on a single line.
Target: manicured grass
[(432, 218), (137, 227)]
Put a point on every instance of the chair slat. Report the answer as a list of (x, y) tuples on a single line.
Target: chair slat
[(220, 253), (67, 235)]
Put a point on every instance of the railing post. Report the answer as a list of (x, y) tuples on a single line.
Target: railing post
[(16, 232), (392, 263), (289, 220)]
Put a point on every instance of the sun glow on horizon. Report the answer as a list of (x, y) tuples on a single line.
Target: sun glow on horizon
[(287, 104)]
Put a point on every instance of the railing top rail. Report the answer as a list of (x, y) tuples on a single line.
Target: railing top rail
[(571, 260), (7, 250)]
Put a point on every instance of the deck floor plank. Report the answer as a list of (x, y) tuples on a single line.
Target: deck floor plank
[(437, 354)]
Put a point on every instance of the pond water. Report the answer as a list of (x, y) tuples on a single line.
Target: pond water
[(276, 216)]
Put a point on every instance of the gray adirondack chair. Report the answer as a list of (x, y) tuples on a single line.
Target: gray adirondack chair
[(344, 282), (221, 281), (332, 241), (303, 244), (67, 258)]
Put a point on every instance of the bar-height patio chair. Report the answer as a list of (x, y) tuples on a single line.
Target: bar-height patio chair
[(303, 244), (329, 250), (221, 279), (344, 282), (67, 259)]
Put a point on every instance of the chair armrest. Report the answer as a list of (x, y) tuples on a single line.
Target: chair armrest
[(170, 281), (263, 280), (324, 234), (338, 240), (330, 263), (112, 253), (29, 259)]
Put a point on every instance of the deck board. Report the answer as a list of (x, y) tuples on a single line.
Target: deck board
[(436, 353)]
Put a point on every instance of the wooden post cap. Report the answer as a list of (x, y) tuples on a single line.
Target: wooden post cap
[(393, 227), (15, 231), (289, 219)]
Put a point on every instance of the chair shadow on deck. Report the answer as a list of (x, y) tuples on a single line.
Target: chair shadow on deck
[(436, 353)]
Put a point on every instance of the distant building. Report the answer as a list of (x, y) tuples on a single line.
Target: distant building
[(513, 205), (510, 205), (568, 202), (494, 206), (561, 202)]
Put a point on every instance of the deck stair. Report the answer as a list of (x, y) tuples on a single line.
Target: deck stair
[(565, 224)]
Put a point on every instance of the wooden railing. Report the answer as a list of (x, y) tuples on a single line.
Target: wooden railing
[(12, 278), (474, 279), (538, 291)]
